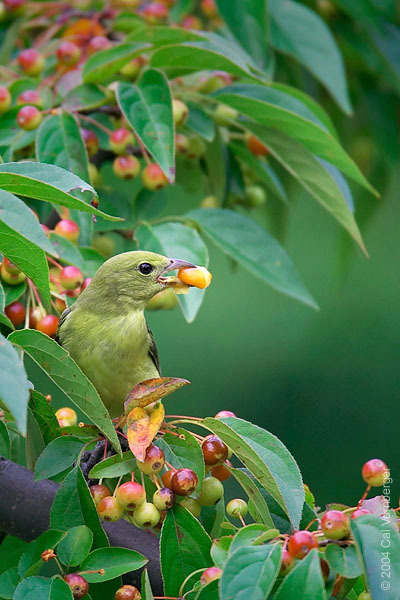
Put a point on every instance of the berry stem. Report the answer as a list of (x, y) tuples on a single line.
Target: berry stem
[(310, 523), (59, 565), (144, 152), (182, 417), (170, 466), (54, 262), (28, 302), (156, 482), (188, 578), (35, 292), (95, 123), (365, 494), (117, 486), (133, 476), (243, 522)]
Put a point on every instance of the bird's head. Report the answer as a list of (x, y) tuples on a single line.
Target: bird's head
[(133, 277)]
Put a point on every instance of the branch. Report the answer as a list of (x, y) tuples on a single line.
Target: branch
[(25, 513)]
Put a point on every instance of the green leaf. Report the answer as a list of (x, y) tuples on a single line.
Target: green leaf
[(311, 174), (60, 454), (145, 588), (291, 24), (247, 20), (8, 582), (219, 551), (378, 543), (44, 416), (216, 169), (102, 65), (11, 550), (44, 588), (114, 561), (149, 205), (343, 560), (34, 445), (212, 518), (75, 547), (13, 292), (180, 451), (163, 35), (65, 373), (3, 318), (147, 106), (67, 251), (184, 548), (200, 122), (208, 592), (14, 384), (304, 580), (86, 96), (5, 444), (250, 572), (114, 466), (31, 560), (268, 460), (254, 248), (59, 142), (258, 508), (246, 536), (49, 183)]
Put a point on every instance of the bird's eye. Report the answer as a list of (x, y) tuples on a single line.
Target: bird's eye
[(145, 268)]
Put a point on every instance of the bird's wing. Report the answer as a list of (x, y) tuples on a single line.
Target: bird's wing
[(60, 324), (153, 352)]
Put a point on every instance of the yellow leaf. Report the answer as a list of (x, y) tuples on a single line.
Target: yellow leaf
[(142, 429)]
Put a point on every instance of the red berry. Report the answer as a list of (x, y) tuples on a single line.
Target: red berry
[(359, 512), (91, 141), (128, 592), (85, 283), (221, 472), (224, 413), (210, 574), (109, 509), (16, 312), (68, 54), (131, 494), (97, 43), (256, 147), (68, 229), (71, 277), (120, 139), (29, 117), (35, 314), (10, 266), (99, 492), (163, 498), (77, 584), (48, 325), (14, 7), (153, 178), (214, 450), (167, 478), (300, 543), (335, 524), (31, 62), (184, 482), (5, 99), (192, 22), (286, 563), (126, 167), (153, 461), (30, 97), (374, 472), (155, 13), (209, 8)]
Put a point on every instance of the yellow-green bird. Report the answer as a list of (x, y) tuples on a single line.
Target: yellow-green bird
[(105, 330)]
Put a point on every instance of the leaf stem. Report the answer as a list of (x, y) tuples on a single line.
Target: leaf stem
[(95, 123)]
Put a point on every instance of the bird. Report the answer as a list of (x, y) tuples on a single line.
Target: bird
[(105, 330)]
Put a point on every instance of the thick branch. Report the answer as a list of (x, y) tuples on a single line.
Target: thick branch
[(25, 511)]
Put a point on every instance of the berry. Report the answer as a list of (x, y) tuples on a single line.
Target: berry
[(210, 574), (153, 461), (126, 167), (94, 175), (133, 67), (300, 543), (120, 139), (91, 141), (364, 596), (221, 472), (209, 202), (180, 112), (374, 472), (67, 417), (153, 178), (224, 413), (237, 508), (216, 81), (31, 62), (16, 312), (14, 7), (146, 515), (30, 97), (71, 277), (10, 267), (164, 498), (128, 592), (192, 506), (196, 148), (166, 300), (131, 495), (97, 43), (155, 13), (286, 563), (167, 477), (11, 278), (99, 492), (29, 117), (5, 99), (68, 54), (359, 512), (255, 195), (212, 492), (109, 509), (77, 584), (191, 22), (184, 482), (224, 114), (181, 143), (68, 229), (85, 283), (209, 8), (214, 450), (335, 524), (35, 314), (48, 325), (198, 277), (256, 147), (104, 244)]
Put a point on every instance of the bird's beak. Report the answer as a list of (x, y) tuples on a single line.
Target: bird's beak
[(174, 264)]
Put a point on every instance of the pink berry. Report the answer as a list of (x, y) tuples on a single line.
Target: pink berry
[(374, 472), (97, 43), (153, 177), (71, 277), (31, 62), (155, 13), (68, 54), (30, 97), (120, 139), (29, 117), (68, 229), (5, 99), (335, 524)]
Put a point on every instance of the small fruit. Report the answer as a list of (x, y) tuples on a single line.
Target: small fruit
[(209, 8), (97, 43), (128, 592), (163, 498), (85, 283), (91, 141), (14, 7), (31, 62), (126, 167), (166, 300), (35, 314), (225, 114), (210, 574), (209, 202), (146, 515), (255, 195), (153, 462), (181, 143), (5, 99), (237, 508), (99, 492), (131, 495), (77, 584), (374, 472), (184, 482), (133, 67), (216, 81), (82, 30), (364, 596), (256, 147), (286, 563), (198, 277), (224, 413), (196, 148), (212, 491), (167, 477), (10, 266), (67, 417), (214, 450), (335, 524), (359, 512), (120, 139), (68, 54), (94, 174), (104, 244), (16, 312), (180, 112), (155, 13), (48, 325), (109, 509), (11, 278), (153, 178), (29, 117), (221, 472), (68, 229), (192, 506), (192, 22), (71, 277), (300, 543), (30, 97)]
